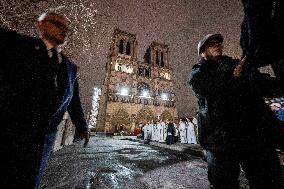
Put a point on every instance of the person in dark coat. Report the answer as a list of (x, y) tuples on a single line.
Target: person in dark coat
[(170, 133), (262, 36), (236, 127), (38, 85)]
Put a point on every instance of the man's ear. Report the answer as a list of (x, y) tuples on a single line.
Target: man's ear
[(38, 25), (202, 54)]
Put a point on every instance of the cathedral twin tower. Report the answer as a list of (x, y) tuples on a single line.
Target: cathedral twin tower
[(135, 92)]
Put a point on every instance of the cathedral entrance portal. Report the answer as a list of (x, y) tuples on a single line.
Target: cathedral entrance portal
[(166, 115), (145, 115), (120, 121)]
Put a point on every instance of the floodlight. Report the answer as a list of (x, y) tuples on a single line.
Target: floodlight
[(124, 91), (164, 96), (145, 93)]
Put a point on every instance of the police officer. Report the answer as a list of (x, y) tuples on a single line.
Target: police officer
[(236, 127)]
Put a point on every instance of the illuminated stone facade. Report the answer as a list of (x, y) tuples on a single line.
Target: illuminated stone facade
[(135, 92)]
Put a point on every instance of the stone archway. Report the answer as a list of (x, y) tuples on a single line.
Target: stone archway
[(120, 120), (144, 115), (166, 115)]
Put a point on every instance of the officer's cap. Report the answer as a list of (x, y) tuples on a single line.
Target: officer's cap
[(202, 42)]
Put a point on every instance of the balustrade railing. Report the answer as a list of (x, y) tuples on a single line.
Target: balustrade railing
[(140, 100)]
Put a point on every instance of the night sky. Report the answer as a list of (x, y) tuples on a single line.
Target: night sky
[(180, 24)]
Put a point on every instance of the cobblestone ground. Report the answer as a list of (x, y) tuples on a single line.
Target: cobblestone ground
[(123, 164)]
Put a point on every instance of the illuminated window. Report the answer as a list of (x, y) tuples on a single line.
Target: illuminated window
[(165, 75), (119, 67), (123, 68), (128, 69)]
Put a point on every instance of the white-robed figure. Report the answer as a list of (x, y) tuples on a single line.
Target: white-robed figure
[(176, 133), (182, 130), (191, 136), (151, 131), (146, 131), (155, 132), (162, 136), (160, 131), (165, 128), (194, 121)]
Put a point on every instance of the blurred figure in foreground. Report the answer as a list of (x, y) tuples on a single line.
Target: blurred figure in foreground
[(262, 36), (39, 86)]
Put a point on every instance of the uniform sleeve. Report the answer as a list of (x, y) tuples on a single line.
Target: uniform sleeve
[(267, 86), (208, 84), (76, 112)]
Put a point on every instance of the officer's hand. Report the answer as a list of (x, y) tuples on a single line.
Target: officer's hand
[(239, 68), (85, 135)]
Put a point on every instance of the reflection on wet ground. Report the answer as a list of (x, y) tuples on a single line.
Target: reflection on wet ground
[(106, 163)]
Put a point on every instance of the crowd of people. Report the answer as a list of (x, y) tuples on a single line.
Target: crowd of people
[(170, 132)]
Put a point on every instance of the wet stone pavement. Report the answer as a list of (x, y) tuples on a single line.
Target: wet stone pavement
[(123, 164)]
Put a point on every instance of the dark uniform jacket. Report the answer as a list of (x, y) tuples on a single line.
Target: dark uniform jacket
[(231, 110), (29, 105), (262, 36)]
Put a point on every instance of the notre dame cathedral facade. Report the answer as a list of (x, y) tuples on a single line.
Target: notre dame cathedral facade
[(135, 92)]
